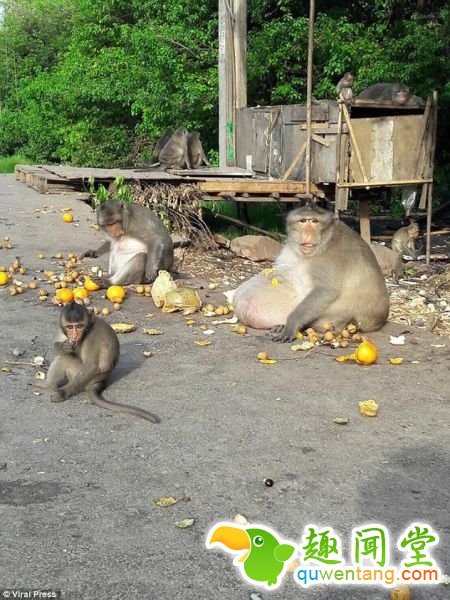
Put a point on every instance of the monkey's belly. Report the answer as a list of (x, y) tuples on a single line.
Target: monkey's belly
[(124, 250), (258, 304)]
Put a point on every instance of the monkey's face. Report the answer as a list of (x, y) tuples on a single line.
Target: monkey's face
[(400, 95), (413, 230), (114, 229), (75, 321), (306, 228), (74, 332), (306, 232), (110, 217)]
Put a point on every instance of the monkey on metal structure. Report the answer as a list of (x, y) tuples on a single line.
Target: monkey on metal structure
[(397, 93), (325, 273), (84, 357), (344, 88), (195, 151), (404, 240), (138, 243), (174, 155)]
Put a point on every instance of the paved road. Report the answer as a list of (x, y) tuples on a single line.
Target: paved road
[(77, 495)]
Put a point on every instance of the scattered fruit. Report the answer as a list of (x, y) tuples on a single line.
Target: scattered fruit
[(262, 356), (90, 285), (115, 293), (105, 311), (3, 278), (65, 295), (369, 408), (366, 353), (67, 217), (80, 293)]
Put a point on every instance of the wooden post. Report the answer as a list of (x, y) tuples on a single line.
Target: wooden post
[(364, 219), (430, 173), (309, 96), (232, 74)]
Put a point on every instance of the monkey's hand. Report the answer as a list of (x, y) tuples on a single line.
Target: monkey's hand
[(88, 254), (63, 348), (58, 396), (103, 282), (284, 333)]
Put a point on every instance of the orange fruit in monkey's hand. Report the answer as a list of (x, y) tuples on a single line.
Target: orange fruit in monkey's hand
[(366, 353), (80, 293), (67, 217), (3, 278), (115, 292), (90, 285), (64, 295)]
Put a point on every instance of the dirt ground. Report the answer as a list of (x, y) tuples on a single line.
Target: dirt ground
[(78, 484)]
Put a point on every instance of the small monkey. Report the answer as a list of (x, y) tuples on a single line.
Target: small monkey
[(174, 155), (195, 150), (84, 357), (404, 240), (344, 88), (138, 243), (325, 273)]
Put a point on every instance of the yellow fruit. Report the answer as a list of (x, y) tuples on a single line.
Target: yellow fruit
[(105, 311), (117, 306), (366, 353), (67, 217), (64, 295), (140, 289), (115, 292), (91, 285), (3, 278), (401, 592), (33, 285), (13, 290), (80, 293), (262, 356)]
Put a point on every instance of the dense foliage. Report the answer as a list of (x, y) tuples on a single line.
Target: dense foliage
[(94, 83)]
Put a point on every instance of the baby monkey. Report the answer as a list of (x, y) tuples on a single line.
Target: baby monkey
[(84, 357), (404, 240)]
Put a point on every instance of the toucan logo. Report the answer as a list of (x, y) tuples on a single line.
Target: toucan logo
[(261, 555)]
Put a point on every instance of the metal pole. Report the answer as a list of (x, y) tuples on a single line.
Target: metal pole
[(309, 96)]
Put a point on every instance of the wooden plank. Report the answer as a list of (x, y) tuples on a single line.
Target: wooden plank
[(365, 103), (354, 141), (255, 187), (297, 157), (387, 183), (364, 219)]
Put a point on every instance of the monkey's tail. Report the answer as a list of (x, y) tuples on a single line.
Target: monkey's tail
[(101, 402)]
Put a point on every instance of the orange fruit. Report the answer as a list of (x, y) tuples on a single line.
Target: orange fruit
[(366, 353), (64, 295), (115, 292), (3, 278), (91, 285), (80, 293), (67, 217)]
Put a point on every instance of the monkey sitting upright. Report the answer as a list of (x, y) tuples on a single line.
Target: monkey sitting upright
[(403, 240), (325, 273), (195, 151), (84, 357), (138, 243), (174, 154), (344, 88)]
